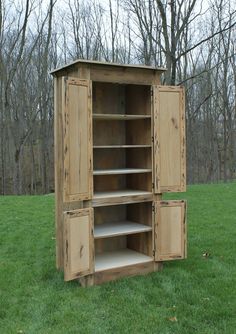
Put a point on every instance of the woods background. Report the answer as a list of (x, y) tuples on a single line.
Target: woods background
[(194, 40)]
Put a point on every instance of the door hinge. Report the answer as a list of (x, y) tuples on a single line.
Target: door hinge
[(153, 252), (153, 207), (152, 139)]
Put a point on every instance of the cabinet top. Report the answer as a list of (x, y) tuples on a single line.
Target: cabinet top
[(79, 62)]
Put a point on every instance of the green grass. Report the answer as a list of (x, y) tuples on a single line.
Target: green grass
[(200, 292)]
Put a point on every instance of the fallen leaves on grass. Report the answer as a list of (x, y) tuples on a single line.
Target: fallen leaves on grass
[(206, 255), (172, 319)]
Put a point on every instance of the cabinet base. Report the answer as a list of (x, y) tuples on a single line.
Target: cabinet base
[(116, 273)]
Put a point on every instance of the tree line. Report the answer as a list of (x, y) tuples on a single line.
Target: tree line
[(194, 40)]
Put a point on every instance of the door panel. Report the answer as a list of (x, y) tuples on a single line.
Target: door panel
[(169, 139), (77, 130), (170, 230), (78, 243)]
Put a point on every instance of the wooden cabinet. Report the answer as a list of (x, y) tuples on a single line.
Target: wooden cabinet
[(119, 144)]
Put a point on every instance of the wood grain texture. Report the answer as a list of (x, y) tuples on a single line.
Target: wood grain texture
[(121, 146), (138, 100), (121, 197), (169, 139), (170, 230), (113, 244), (119, 228), (58, 169), (119, 258), (120, 117), (81, 63), (122, 75), (138, 132), (116, 273), (78, 243), (140, 213), (118, 171), (141, 243), (77, 129), (108, 100)]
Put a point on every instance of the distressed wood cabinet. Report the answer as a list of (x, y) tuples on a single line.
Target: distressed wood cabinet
[(119, 144)]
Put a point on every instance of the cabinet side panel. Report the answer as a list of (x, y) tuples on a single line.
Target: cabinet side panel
[(58, 168), (78, 140)]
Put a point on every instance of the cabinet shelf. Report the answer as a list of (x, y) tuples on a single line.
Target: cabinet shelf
[(120, 228), (119, 258), (120, 193), (121, 146), (121, 171), (121, 117)]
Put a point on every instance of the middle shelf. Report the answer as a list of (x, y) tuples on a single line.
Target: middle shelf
[(116, 171), (120, 228)]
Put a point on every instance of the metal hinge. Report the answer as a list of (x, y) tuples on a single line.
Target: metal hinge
[(152, 139)]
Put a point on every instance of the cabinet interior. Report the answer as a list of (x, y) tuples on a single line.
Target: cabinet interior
[(122, 154), (123, 232), (112, 98)]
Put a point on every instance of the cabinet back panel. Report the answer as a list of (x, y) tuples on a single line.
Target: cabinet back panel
[(117, 132), (108, 214), (140, 213), (139, 158), (110, 244), (122, 182), (108, 98), (141, 242), (108, 132), (109, 182), (138, 132), (138, 100), (140, 181), (109, 158)]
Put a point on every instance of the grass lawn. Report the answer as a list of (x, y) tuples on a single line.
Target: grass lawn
[(197, 295)]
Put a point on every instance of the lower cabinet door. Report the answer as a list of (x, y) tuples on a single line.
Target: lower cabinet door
[(170, 230), (78, 243)]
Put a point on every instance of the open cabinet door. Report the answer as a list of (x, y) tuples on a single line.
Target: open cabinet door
[(169, 139), (77, 132), (78, 243), (170, 230)]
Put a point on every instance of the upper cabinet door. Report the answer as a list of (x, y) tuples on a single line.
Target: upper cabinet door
[(77, 132), (170, 230), (169, 139), (78, 243)]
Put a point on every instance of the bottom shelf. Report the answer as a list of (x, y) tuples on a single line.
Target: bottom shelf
[(120, 258)]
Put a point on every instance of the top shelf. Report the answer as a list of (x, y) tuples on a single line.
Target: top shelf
[(120, 116)]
